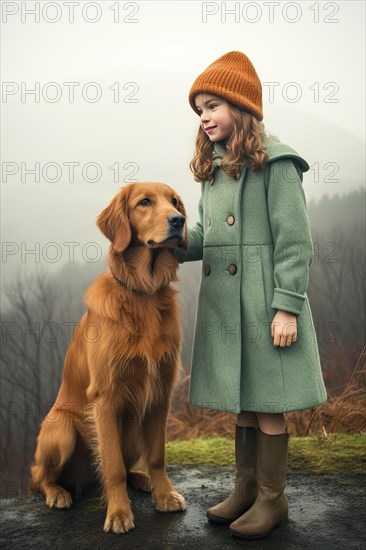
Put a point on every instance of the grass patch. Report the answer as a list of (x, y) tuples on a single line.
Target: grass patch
[(209, 451), (318, 454)]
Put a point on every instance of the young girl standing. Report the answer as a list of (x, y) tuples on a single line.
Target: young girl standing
[(255, 350)]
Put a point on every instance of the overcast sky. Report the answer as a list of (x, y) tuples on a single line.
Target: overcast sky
[(130, 109)]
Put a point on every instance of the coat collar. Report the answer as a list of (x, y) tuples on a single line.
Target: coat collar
[(218, 153), (278, 150), (274, 147)]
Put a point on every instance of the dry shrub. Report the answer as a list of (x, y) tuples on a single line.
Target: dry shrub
[(344, 413)]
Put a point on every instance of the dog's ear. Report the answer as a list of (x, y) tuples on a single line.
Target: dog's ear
[(182, 210), (114, 222)]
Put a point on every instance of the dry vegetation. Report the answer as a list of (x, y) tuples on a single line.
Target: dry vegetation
[(344, 413)]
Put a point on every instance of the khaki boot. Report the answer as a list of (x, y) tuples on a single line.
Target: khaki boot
[(245, 490), (271, 507)]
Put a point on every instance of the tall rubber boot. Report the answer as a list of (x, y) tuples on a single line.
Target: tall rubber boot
[(271, 506), (244, 493)]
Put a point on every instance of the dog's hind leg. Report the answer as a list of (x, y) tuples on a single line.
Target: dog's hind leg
[(55, 445), (139, 476), (133, 451)]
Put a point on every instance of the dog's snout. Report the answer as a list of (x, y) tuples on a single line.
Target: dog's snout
[(176, 220)]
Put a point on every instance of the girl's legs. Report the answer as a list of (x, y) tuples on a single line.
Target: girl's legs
[(247, 419), (269, 423), (272, 424), (244, 494), (270, 508)]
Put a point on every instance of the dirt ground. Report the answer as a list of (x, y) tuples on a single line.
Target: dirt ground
[(325, 512)]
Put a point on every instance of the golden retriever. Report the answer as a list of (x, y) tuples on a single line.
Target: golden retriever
[(121, 365)]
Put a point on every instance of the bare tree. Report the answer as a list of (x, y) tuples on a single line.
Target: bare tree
[(34, 343)]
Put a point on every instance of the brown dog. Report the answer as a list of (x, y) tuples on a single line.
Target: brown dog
[(122, 363)]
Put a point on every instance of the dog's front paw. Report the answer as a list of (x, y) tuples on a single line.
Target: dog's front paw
[(169, 502), (119, 522)]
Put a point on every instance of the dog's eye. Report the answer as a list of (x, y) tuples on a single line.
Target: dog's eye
[(174, 201), (145, 202)]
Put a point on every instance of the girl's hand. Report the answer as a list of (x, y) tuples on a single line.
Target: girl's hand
[(284, 328)]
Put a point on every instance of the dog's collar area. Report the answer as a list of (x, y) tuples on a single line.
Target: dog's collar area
[(135, 290)]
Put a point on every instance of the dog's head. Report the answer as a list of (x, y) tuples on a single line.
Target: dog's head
[(151, 214)]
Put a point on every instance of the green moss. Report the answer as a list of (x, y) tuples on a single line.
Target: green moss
[(341, 453), (209, 451)]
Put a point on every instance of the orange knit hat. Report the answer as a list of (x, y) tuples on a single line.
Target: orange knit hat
[(233, 78)]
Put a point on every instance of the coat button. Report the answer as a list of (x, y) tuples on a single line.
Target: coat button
[(209, 221), (230, 220), (232, 269), (207, 269)]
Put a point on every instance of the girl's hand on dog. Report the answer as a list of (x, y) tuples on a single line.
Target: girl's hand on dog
[(284, 328)]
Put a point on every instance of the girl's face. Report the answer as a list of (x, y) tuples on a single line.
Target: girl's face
[(215, 117)]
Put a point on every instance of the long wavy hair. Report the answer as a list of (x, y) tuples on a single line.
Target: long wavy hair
[(244, 146)]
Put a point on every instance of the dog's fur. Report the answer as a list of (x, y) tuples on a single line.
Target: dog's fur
[(121, 365)]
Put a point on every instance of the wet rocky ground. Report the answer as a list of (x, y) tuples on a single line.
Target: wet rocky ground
[(325, 512)]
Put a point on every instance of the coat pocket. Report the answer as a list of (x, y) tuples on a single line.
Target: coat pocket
[(266, 268), (255, 294)]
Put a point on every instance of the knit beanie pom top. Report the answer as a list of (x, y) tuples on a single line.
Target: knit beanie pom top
[(233, 78)]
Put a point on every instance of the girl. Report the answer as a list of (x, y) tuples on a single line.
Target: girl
[(255, 351)]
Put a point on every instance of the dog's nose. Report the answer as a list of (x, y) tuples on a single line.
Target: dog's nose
[(176, 220)]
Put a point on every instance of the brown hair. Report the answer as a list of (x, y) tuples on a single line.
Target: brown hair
[(245, 145)]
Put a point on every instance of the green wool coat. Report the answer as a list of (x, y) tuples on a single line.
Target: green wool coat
[(254, 238)]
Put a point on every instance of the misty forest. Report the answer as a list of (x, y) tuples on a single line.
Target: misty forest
[(43, 312)]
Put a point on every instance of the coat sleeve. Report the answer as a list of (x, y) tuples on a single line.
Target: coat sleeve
[(293, 247), (195, 241)]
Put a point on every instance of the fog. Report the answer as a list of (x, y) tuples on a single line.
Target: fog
[(312, 59)]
